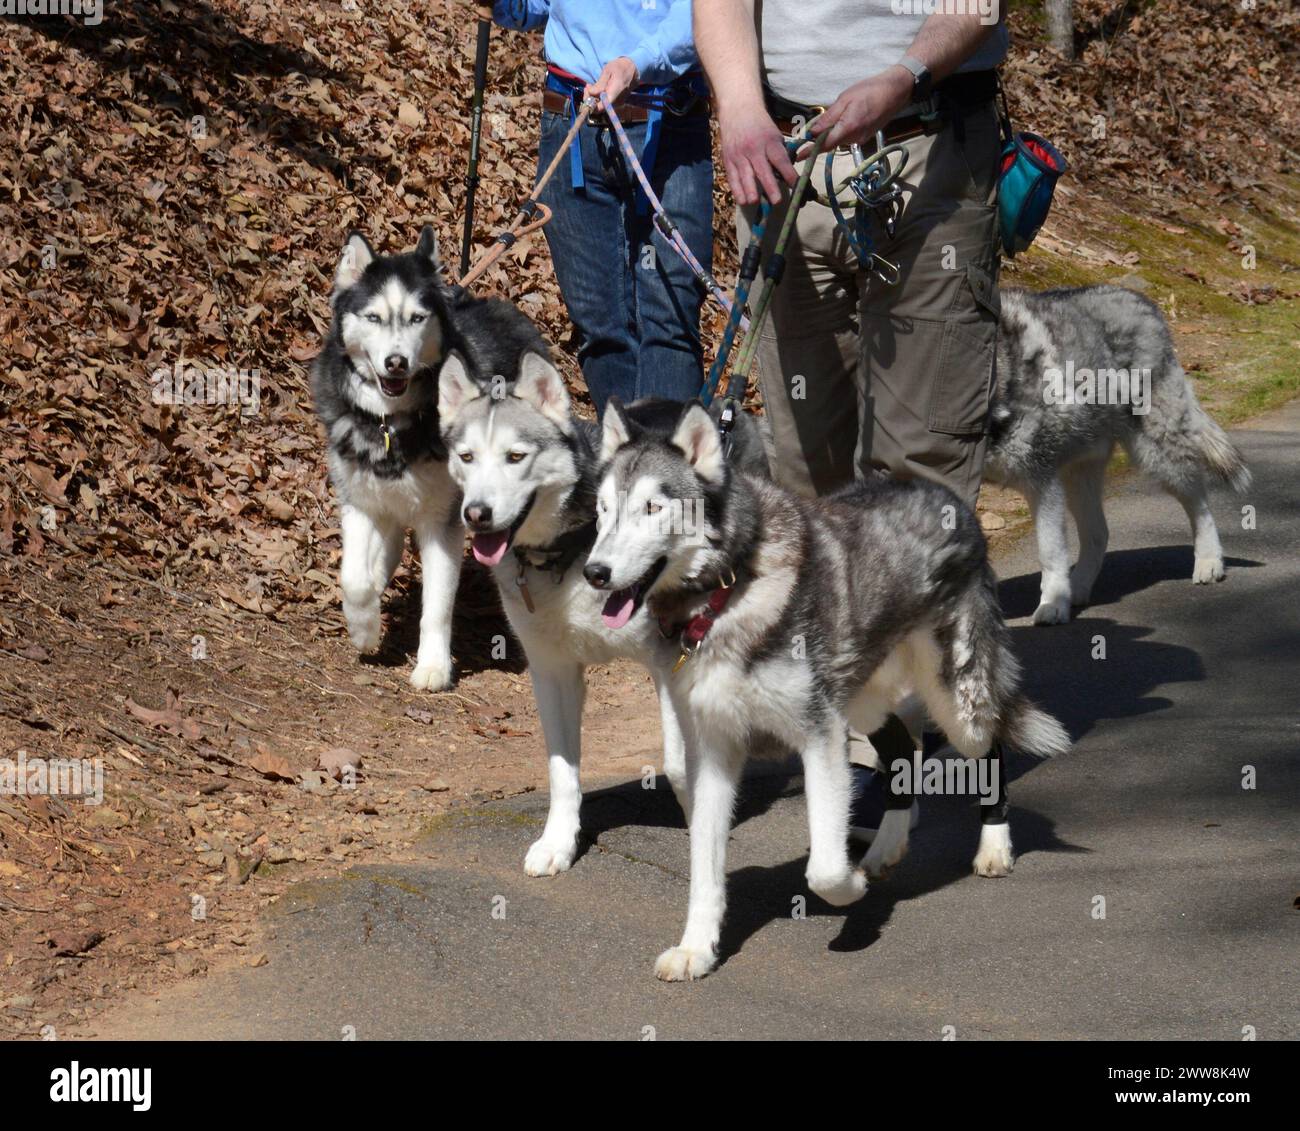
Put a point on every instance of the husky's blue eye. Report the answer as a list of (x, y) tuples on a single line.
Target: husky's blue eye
[(416, 319), (374, 318)]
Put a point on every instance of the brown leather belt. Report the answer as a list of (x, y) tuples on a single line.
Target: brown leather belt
[(630, 113)]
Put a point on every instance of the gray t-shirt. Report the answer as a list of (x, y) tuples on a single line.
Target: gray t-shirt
[(813, 49)]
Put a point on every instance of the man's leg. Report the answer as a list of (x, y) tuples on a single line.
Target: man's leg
[(589, 250), (668, 297), (929, 341), (808, 354)]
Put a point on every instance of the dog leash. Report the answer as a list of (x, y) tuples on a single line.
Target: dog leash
[(532, 214), (662, 221), (735, 392)]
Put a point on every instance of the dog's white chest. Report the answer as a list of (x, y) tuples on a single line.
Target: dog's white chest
[(423, 491), (565, 618)]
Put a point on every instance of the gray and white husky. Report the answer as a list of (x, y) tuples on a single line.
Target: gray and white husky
[(802, 618), (526, 467), (1079, 371), (375, 388)]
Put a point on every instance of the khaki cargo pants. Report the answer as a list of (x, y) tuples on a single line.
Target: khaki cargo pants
[(856, 374)]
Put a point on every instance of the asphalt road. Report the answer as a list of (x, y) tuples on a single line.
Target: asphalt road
[(1148, 811)]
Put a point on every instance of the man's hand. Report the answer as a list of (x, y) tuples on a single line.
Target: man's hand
[(856, 115), (618, 76), (754, 154)]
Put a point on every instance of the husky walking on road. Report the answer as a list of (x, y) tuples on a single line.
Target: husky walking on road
[(375, 388), (527, 469), (798, 619), (1079, 371)]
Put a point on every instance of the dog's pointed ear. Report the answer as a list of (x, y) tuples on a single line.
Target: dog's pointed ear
[(456, 388), (428, 245), (541, 385), (615, 431), (355, 259), (697, 438)]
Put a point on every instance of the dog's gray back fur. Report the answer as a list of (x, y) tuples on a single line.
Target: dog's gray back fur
[(1099, 328), (862, 569)]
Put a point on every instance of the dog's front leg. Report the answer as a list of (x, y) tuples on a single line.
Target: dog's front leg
[(714, 775), (675, 727), (1047, 506), (441, 548), (361, 536), (827, 784), (560, 690)]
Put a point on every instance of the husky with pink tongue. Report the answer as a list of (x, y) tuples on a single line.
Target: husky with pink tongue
[(527, 470)]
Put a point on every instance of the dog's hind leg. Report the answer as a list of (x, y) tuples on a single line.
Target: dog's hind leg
[(441, 548), (1177, 468), (896, 749), (827, 784), (559, 689), (715, 772), (1048, 507), (1084, 485), (994, 858), (362, 538), (1206, 548)]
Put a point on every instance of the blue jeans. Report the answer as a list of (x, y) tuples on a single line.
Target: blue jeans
[(634, 303)]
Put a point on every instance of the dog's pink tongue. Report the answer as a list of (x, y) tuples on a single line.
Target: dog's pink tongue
[(489, 549), (618, 609)]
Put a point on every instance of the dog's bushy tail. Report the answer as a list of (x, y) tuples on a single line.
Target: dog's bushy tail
[(1219, 453), (1032, 730), (985, 679)]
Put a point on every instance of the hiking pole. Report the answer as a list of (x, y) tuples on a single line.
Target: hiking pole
[(475, 138)]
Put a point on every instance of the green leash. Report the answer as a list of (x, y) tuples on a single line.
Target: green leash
[(771, 277)]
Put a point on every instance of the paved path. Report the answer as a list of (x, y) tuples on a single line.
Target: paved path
[(1198, 875)]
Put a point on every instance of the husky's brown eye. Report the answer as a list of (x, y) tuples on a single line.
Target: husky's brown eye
[(466, 457), (515, 457), (652, 508)]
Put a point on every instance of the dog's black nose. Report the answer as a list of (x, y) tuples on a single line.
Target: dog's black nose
[(395, 363), (478, 514), (596, 574)]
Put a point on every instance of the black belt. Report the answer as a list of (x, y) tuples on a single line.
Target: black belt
[(957, 94)]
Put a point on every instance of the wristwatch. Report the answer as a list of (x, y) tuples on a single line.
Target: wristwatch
[(921, 79)]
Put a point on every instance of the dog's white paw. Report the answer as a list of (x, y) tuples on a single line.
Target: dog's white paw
[(890, 843), (1207, 571), (432, 677), (365, 634), (682, 964), (994, 856), (1053, 612), (839, 889), (549, 857)]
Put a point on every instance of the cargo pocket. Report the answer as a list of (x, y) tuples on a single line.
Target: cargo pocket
[(963, 385)]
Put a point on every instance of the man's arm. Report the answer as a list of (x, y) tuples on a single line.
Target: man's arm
[(943, 44), (753, 150)]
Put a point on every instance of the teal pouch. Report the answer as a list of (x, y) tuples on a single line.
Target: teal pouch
[(1031, 166)]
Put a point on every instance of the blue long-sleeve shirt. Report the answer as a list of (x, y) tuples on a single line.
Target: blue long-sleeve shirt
[(583, 35)]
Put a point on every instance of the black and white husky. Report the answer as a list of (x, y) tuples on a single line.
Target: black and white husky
[(1079, 371), (526, 466), (801, 618), (375, 387)]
